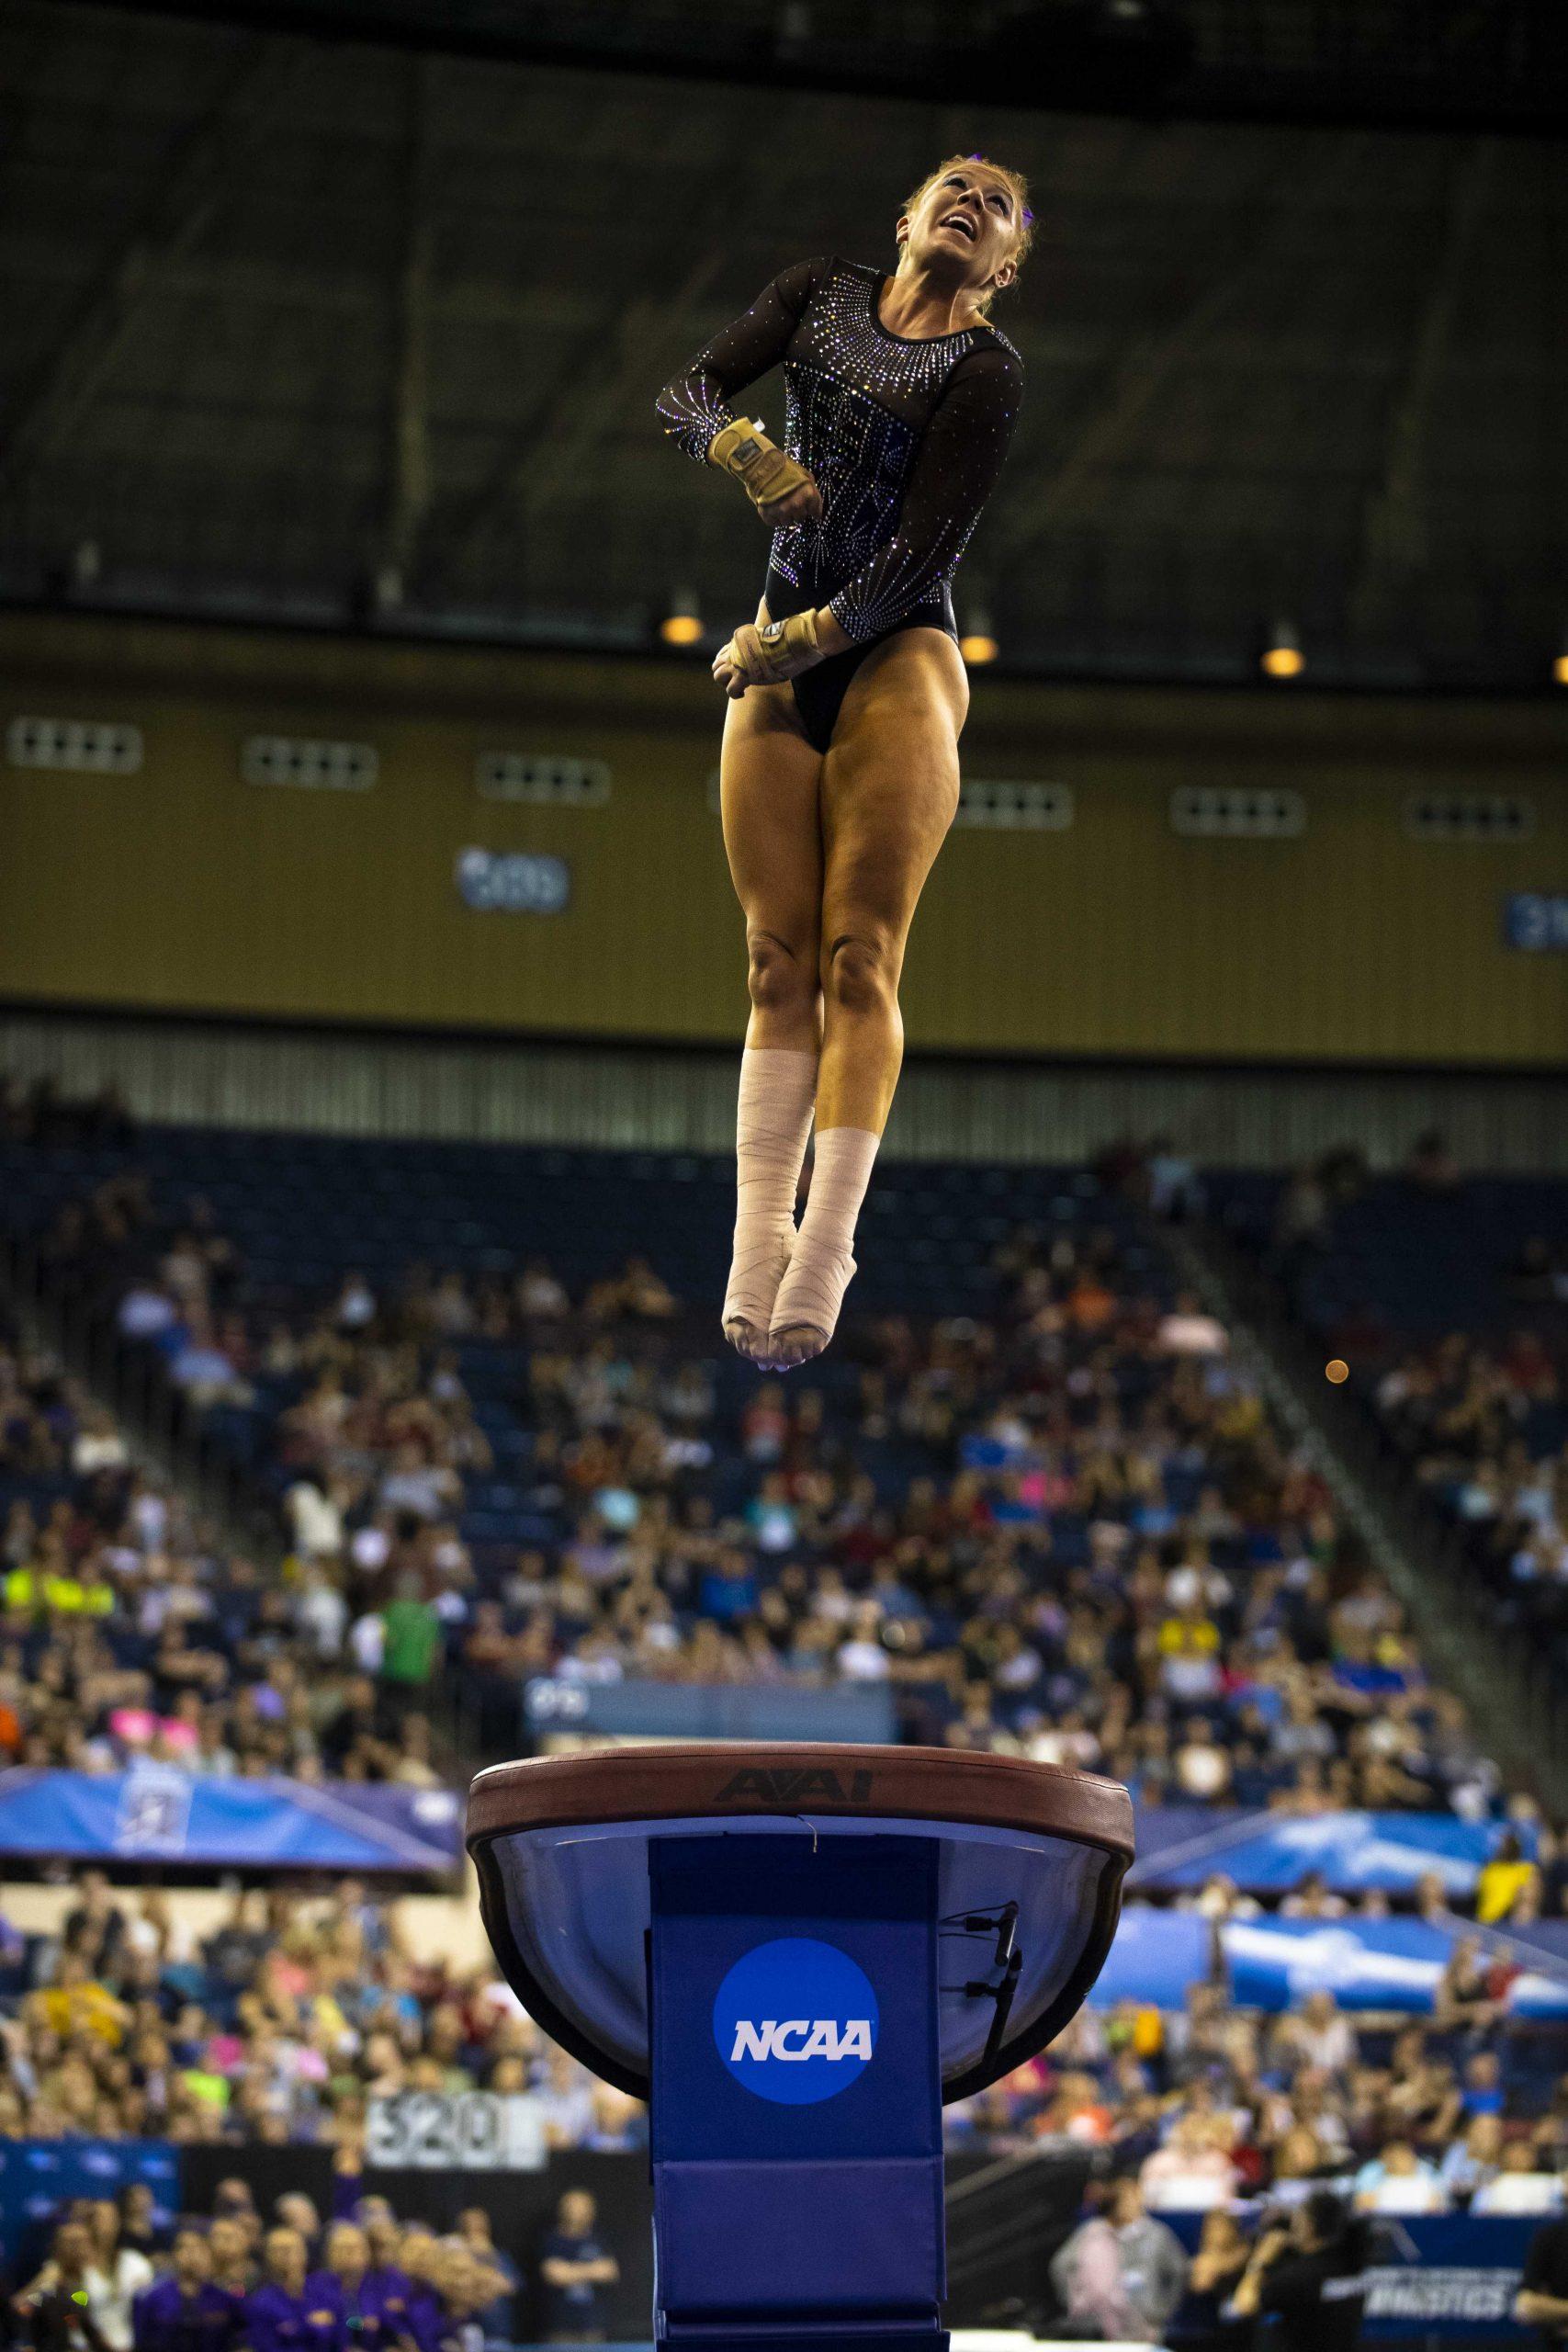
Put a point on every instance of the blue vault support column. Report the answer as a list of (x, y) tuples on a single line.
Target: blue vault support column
[(796, 2108)]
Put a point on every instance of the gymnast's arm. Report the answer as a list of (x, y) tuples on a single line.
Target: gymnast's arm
[(693, 406), (954, 471)]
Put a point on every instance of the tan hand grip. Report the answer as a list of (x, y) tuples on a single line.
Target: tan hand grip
[(764, 472)]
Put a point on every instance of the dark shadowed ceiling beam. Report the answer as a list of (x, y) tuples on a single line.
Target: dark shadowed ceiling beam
[(1055, 493), (197, 175), (616, 367), (1393, 537), (408, 421)]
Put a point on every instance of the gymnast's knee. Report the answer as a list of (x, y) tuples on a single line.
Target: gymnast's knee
[(860, 970), (781, 979)]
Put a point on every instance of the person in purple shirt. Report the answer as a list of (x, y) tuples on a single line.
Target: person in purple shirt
[(185, 2312), (229, 2244), (384, 2292), (343, 2281), (425, 2314), (279, 2314)]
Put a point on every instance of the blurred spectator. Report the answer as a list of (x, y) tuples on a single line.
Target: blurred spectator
[(1505, 1880), (498, 2316), (1470, 2164), (1431, 1165), (575, 2267), (1317, 2035), (117, 2274), (1121, 2274), (53, 2312), (1193, 2170), (1305, 2275), (279, 2316), (1542, 2300), (187, 2311), (1519, 2186), (1218, 2268), (1399, 2181)]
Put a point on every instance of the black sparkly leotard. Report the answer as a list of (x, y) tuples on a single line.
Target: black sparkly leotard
[(904, 437)]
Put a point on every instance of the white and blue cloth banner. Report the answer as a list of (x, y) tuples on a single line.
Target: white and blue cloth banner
[(156, 1813), (1397, 1964), (1269, 1853)]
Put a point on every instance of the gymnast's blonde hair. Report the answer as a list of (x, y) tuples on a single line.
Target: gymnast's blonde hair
[(1020, 186)]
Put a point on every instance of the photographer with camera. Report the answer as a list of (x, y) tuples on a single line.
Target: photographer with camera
[(1306, 2273)]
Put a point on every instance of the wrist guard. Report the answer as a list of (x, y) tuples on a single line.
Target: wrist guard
[(765, 473), (789, 646)]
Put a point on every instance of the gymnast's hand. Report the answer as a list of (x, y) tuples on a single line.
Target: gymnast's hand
[(767, 655), (777, 485), (802, 502)]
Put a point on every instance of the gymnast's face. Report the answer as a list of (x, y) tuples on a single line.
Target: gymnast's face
[(964, 228)]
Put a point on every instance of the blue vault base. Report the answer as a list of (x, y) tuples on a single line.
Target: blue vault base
[(796, 2115)]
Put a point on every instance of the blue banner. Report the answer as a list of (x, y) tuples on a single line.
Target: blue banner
[(40, 2176), (156, 1813), (1269, 1853), (1397, 1964), (1157, 1955), (1448, 2275)]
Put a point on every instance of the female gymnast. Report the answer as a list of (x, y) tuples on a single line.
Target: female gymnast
[(839, 773)]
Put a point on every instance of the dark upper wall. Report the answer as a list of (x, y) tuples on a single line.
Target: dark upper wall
[(183, 887)]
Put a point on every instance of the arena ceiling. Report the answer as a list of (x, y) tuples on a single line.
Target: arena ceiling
[(308, 328)]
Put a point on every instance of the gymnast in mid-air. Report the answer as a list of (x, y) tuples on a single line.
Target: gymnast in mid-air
[(839, 772)]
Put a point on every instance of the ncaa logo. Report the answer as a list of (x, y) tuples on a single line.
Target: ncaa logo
[(795, 2020)]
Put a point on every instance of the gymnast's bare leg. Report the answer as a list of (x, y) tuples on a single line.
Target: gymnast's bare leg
[(889, 791), (770, 783)]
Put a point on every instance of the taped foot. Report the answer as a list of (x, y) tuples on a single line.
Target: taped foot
[(795, 1343), (749, 1305), (748, 1340)]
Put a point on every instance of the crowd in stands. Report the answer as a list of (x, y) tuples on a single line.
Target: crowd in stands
[(283, 2026), (1447, 1292), (45, 1113), (1219, 2104), (301, 2006), (130, 1629), (1484, 1427), (1070, 1529), (122, 2276)]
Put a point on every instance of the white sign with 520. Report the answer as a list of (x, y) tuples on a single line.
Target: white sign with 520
[(456, 2132)]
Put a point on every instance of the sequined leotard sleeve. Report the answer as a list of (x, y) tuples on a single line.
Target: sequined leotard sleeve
[(693, 406), (904, 437)]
